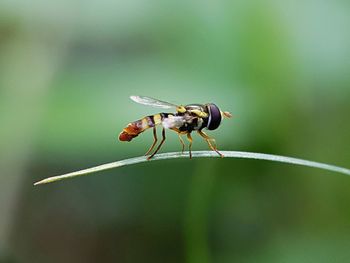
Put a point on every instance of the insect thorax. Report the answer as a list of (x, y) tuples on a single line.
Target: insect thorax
[(192, 121)]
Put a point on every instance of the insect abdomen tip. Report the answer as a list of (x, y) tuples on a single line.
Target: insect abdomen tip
[(125, 137)]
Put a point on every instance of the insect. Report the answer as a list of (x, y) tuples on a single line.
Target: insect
[(188, 118)]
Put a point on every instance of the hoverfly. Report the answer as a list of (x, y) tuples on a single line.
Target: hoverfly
[(188, 118)]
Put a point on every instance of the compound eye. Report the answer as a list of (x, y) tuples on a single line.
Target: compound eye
[(215, 117)]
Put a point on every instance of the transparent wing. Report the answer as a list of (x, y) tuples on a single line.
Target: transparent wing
[(153, 102)]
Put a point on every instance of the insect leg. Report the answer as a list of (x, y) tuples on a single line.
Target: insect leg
[(210, 140), (189, 138), (182, 143), (154, 142), (159, 146)]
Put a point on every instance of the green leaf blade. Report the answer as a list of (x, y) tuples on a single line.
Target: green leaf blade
[(198, 154)]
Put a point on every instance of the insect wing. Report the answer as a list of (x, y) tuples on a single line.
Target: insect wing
[(152, 102)]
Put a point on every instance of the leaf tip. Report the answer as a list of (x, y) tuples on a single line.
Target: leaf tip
[(39, 182)]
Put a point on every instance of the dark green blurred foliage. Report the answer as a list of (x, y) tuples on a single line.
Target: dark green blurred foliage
[(66, 71)]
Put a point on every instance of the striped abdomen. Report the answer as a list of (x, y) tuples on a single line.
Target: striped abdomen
[(135, 128)]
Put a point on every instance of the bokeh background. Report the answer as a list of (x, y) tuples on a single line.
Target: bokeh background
[(67, 69)]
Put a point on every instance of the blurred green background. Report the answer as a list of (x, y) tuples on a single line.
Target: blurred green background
[(67, 69)]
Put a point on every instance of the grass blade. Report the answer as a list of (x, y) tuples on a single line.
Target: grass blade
[(198, 154)]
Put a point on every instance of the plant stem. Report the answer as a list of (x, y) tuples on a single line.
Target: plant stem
[(198, 154)]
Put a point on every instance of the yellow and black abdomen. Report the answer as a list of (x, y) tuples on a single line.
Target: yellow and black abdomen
[(135, 128)]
